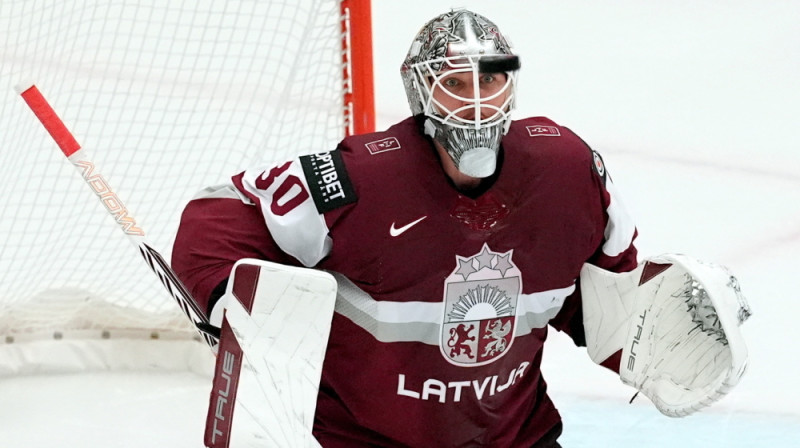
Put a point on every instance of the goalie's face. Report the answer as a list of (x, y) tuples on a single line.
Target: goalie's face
[(470, 98), (468, 110), (463, 97)]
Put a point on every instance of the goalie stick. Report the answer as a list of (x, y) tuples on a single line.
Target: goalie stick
[(91, 175), (273, 347)]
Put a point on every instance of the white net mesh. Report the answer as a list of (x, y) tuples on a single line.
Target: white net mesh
[(166, 97)]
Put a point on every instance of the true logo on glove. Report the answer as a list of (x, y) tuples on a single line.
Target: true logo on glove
[(636, 338)]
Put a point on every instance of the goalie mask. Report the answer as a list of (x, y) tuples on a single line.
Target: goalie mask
[(460, 74)]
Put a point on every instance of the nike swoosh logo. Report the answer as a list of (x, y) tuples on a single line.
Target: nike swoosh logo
[(395, 231)]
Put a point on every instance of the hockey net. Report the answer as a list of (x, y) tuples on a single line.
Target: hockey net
[(169, 97)]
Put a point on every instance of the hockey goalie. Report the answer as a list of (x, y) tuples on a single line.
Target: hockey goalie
[(413, 275)]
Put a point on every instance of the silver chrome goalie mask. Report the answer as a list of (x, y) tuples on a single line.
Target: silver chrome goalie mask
[(460, 72)]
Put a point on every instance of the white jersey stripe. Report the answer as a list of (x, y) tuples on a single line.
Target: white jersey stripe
[(620, 228), (535, 310), (420, 321)]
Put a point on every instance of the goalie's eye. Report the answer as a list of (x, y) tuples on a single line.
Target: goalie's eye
[(451, 83), (461, 83), (487, 78)]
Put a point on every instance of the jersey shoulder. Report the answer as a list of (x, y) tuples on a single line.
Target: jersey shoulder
[(397, 144), (388, 158), (542, 131), (543, 139)]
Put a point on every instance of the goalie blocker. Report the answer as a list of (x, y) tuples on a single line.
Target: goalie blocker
[(274, 333), (675, 321)]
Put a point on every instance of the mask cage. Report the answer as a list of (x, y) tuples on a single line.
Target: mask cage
[(430, 75)]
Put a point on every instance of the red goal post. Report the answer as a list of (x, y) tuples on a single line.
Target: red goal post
[(169, 98), (359, 98)]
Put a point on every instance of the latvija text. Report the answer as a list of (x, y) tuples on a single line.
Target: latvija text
[(453, 391)]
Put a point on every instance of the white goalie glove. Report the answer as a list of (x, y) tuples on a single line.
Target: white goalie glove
[(676, 320)]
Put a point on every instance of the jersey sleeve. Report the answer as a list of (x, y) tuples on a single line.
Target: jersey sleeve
[(277, 212), (616, 252), (294, 198), (218, 227)]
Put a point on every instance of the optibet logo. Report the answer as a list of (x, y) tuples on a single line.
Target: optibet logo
[(480, 308), (328, 181)]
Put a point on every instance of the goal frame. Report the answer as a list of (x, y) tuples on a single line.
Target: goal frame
[(358, 75)]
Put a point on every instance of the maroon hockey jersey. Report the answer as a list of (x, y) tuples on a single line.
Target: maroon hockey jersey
[(444, 299)]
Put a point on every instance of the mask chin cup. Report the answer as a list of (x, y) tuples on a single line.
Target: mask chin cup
[(477, 162)]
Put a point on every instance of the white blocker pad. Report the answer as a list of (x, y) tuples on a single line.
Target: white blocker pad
[(676, 321), (269, 362)]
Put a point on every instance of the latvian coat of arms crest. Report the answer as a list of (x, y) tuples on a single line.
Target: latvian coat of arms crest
[(480, 308)]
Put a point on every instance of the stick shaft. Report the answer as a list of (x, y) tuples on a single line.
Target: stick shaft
[(114, 205)]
